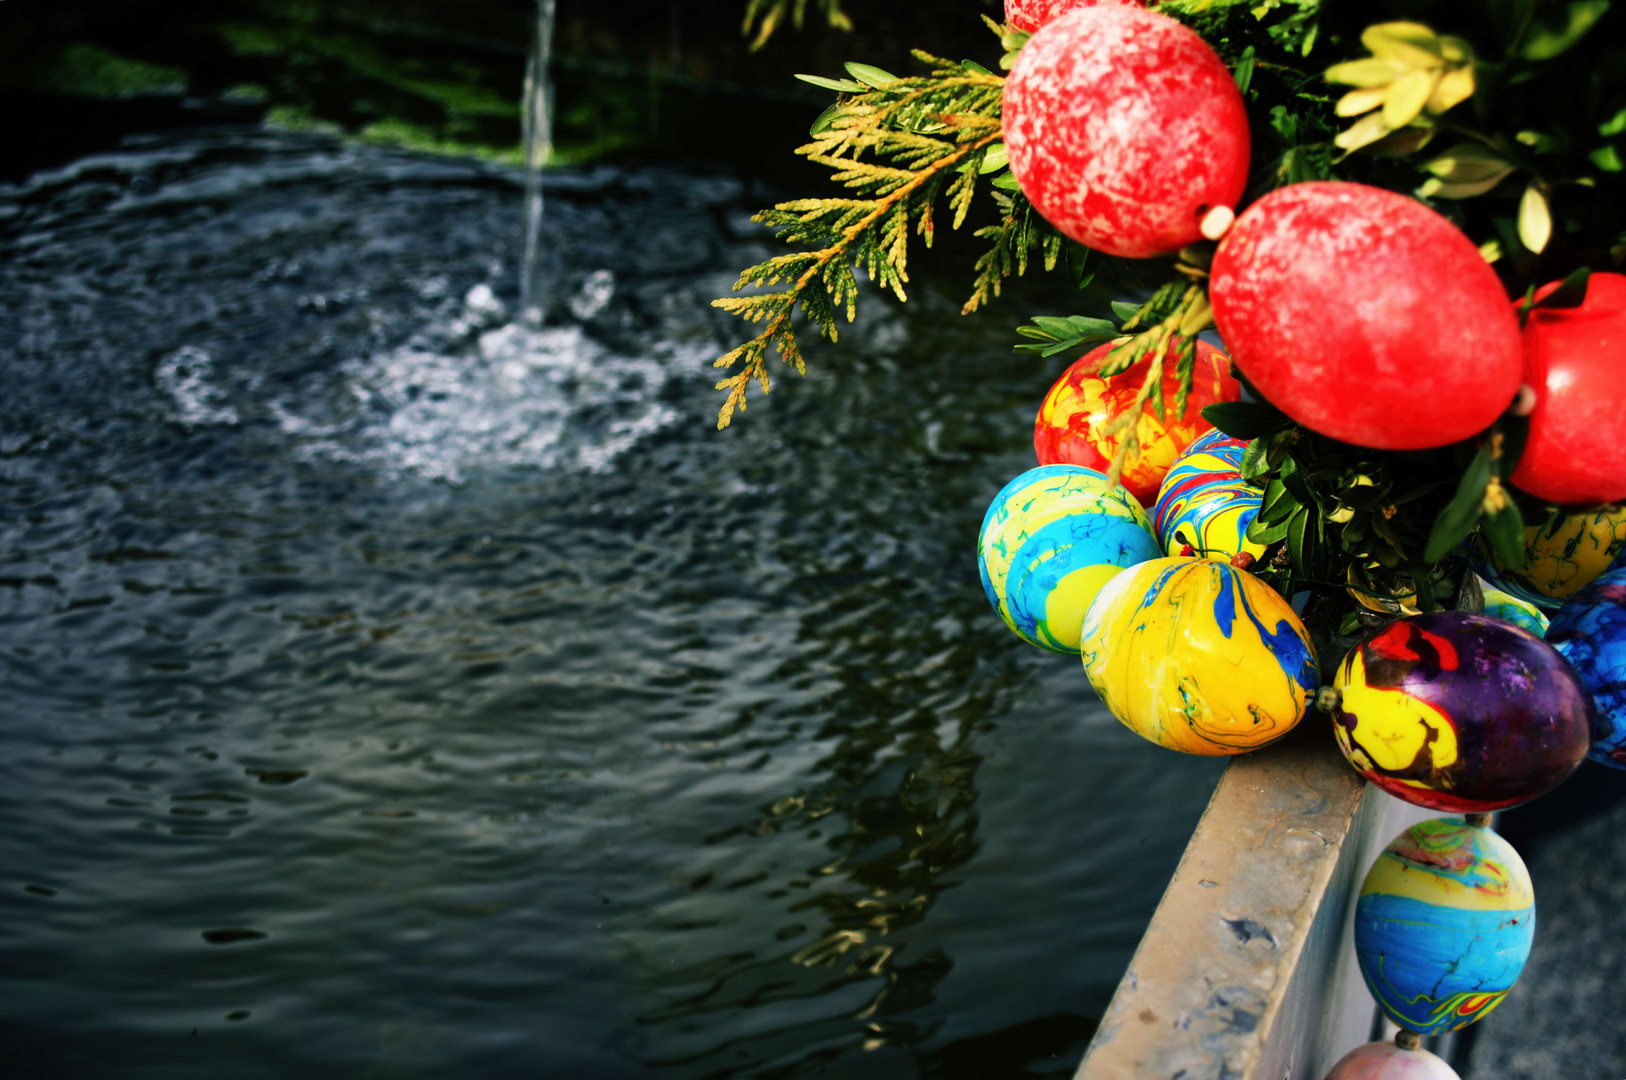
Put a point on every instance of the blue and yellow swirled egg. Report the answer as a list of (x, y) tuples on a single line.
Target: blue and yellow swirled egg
[(1590, 631), (1204, 503), (1562, 555), (1051, 539), (1443, 925), (1509, 608), (1198, 656)]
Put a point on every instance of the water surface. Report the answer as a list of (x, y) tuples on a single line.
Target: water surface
[(393, 692)]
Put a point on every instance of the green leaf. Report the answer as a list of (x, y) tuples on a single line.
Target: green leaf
[(1505, 532), (870, 75), (1548, 39), (1299, 543), (1244, 419), (1607, 158), (1006, 182), (1351, 624), (973, 66), (1244, 70), (1268, 533), (1459, 516), (826, 118), (1123, 310), (1515, 431), (1078, 262), (1277, 504), (994, 159), (842, 86), (1571, 292), (1254, 461), (1614, 125)]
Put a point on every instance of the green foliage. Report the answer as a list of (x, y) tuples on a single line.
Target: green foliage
[(763, 17), (906, 148)]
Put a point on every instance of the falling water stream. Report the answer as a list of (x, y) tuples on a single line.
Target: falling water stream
[(538, 137)]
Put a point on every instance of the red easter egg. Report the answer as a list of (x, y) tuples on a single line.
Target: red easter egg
[(1575, 358), (1068, 430), (1124, 129), (1028, 15), (1366, 316)]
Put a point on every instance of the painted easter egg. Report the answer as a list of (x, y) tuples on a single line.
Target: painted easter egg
[(1443, 925), (1205, 507), (1198, 656), (1512, 609), (1124, 129), (1590, 631), (1574, 454), (1461, 712), (1561, 555), (1069, 428), (1386, 1061), (1051, 538), (1330, 297), (1028, 15)]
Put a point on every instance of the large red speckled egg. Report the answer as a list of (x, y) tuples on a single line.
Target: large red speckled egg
[(1366, 316), (1575, 358), (1028, 15), (1461, 712), (1068, 430), (1124, 129)]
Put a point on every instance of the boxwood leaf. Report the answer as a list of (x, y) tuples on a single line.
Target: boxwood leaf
[(1505, 532), (1459, 516), (1244, 419)]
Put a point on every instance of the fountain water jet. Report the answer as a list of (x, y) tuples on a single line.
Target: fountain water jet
[(538, 136)]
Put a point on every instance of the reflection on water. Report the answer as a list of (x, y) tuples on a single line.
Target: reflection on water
[(392, 691)]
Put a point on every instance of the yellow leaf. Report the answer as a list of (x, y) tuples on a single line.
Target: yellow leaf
[(1407, 141), (1361, 101), (1490, 250), (1467, 162), (1370, 72), (1535, 220), (1405, 99), (1368, 129), (1454, 88), (1443, 189), (1456, 51), (1408, 43)]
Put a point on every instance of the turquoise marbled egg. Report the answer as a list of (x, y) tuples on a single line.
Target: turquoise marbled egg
[(1051, 539), (1205, 504)]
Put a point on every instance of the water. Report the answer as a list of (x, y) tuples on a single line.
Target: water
[(392, 691), (537, 135)]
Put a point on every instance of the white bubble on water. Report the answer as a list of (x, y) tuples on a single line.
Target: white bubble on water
[(186, 376)]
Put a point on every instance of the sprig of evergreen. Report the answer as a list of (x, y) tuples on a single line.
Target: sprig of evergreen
[(766, 16), (902, 146)]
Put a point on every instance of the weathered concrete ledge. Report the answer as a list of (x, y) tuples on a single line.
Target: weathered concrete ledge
[(1246, 971)]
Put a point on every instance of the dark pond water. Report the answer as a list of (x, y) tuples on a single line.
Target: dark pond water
[(389, 692)]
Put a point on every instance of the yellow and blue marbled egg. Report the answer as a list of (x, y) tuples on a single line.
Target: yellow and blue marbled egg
[(1199, 656), (1509, 608), (1444, 924), (1051, 539), (1562, 555), (1205, 504)]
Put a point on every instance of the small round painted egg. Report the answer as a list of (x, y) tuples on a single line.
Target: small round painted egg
[(1081, 403), (1461, 712), (1443, 925), (1198, 656), (1386, 1061), (1205, 505), (1561, 555), (1590, 631), (1510, 608), (1051, 538)]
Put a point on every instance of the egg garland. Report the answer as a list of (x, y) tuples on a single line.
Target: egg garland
[(1050, 539), (1070, 427), (1443, 925), (1125, 130), (1574, 454), (1198, 656), (1459, 712), (1561, 556), (1590, 632), (1375, 372), (1205, 507)]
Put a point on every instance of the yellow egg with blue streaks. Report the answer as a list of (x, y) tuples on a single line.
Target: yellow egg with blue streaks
[(1051, 538), (1199, 656), (1205, 505), (1562, 555)]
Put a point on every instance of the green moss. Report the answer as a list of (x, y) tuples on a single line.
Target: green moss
[(89, 71), (299, 118), (411, 136)]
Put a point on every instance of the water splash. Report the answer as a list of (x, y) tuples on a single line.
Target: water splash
[(538, 150)]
